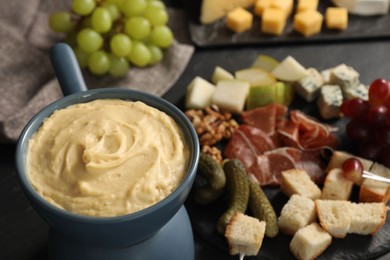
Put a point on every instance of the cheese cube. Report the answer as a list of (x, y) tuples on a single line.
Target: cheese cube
[(199, 93), (212, 10), (345, 76), (336, 18), (285, 5), (308, 22), (260, 6), (308, 87), (359, 91), (239, 20), (326, 76), (330, 100), (231, 95), (273, 21), (304, 5), (336, 187)]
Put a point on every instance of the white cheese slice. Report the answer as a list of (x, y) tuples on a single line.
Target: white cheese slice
[(364, 7)]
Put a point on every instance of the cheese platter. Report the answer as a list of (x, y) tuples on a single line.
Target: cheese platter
[(204, 218), (360, 25)]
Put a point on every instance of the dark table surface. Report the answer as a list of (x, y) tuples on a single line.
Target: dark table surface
[(24, 235)]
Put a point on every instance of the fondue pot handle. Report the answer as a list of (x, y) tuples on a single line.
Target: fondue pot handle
[(67, 69)]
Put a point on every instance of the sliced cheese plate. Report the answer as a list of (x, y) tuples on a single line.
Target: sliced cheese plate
[(217, 34)]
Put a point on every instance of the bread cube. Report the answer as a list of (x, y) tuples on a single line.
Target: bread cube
[(367, 218), (299, 182), (199, 93), (297, 213), (310, 242), (273, 21), (231, 95), (285, 5), (260, 6), (239, 20), (244, 234), (304, 5), (334, 216), (336, 18), (336, 187), (308, 22)]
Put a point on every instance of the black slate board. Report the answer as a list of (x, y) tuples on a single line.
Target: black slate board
[(217, 34)]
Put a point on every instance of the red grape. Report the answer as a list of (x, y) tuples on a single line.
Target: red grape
[(353, 170), (358, 130), (377, 114), (355, 108), (382, 135), (369, 150), (378, 92)]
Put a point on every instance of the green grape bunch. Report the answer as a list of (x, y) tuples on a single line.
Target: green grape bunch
[(109, 36)]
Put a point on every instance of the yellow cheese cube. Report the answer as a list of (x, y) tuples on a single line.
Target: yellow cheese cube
[(239, 20), (304, 5), (261, 5), (273, 21), (285, 5), (308, 22), (336, 18)]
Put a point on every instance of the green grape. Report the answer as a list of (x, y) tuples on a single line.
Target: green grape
[(99, 62), (112, 9), (82, 57), (83, 7), (156, 16), (140, 54), (156, 52), (133, 7), (120, 45), (89, 40), (137, 27), (161, 36), (156, 3), (101, 20), (118, 66), (61, 22)]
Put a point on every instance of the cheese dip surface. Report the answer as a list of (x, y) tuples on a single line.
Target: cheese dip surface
[(108, 157)]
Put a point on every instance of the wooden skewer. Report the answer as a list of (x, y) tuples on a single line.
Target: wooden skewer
[(372, 176)]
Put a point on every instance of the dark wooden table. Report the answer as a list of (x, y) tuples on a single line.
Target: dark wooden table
[(24, 235)]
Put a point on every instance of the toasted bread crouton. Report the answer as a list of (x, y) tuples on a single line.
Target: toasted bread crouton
[(299, 182), (244, 234), (334, 216), (297, 213), (367, 218), (336, 186), (309, 242)]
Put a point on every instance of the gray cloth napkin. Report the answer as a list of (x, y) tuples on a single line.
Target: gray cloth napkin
[(27, 80)]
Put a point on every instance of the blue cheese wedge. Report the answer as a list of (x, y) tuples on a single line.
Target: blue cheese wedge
[(345, 76), (329, 101), (308, 87), (359, 91)]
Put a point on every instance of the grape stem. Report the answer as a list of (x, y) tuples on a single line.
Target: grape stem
[(372, 176)]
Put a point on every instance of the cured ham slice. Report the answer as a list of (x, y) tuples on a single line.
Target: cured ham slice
[(267, 167), (307, 133), (267, 118)]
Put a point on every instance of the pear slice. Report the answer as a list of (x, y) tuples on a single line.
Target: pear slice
[(261, 96), (220, 74), (289, 93), (255, 76), (279, 92), (290, 70), (231, 95), (265, 62), (199, 93)]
